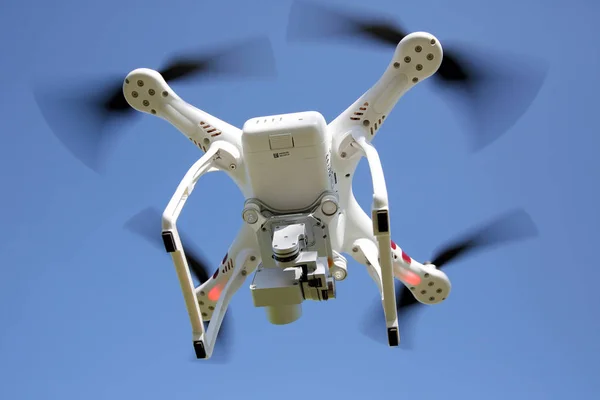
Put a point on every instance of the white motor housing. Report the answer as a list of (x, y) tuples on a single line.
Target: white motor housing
[(288, 159)]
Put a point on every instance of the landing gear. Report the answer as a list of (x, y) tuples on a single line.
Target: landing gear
[(393, 337), (199, 349)]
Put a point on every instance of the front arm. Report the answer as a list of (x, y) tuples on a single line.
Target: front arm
[(146, 91), (417, 57)]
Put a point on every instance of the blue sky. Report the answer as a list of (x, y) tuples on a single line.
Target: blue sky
[(88, 310)]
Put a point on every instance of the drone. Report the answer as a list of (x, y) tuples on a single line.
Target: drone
[(301, 222)]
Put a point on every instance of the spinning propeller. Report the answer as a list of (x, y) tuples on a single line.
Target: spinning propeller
[(495, 90), (80, 120), (512, 226), (147, 224)]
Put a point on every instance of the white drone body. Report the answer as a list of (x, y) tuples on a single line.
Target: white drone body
[(300, 216)]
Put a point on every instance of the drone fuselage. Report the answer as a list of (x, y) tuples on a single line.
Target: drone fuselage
[(288, 162), (288, 159)]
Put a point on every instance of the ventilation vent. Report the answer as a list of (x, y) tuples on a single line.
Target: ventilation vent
[(198, 144), (359, 113), (270, 120), (209, 129), (377, 125), (228, 266)]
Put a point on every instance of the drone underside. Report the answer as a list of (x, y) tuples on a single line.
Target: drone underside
[(300, 217)]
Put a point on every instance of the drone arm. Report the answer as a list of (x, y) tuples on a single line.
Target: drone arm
[(408, 67), (428, 284), (156, 97), (211, 161), (198, 126)]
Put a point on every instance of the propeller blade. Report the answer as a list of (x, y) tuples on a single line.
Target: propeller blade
[(493, 97), (147, 224), (329, 23), (80, 118), (509, 227), (251, 58), (498, 89), (79, 115), (374, 320)]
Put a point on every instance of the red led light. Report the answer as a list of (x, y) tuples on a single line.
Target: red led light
[(410, 277), (215, 293)]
